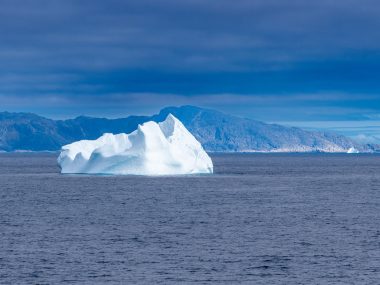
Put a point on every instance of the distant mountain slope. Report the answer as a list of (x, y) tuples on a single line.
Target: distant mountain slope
[(24, 131), (215, 130), (220, 132)]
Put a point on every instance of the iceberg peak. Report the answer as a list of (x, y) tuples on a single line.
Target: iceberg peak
[(164, 148)]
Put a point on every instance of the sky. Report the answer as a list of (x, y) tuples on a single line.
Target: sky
[(313, 64)]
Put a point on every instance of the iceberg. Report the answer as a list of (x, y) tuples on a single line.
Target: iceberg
[(352, 150), (165, 148)]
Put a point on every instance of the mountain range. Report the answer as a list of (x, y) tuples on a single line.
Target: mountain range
[(218, 132)]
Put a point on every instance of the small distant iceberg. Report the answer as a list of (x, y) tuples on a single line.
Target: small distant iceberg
[(352, 150), (165, 148)]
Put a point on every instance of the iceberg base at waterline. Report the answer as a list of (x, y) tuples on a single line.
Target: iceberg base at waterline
[(165, 148)]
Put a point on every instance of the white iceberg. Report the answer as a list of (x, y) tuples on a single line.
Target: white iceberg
[(352, 150), (165, 148)]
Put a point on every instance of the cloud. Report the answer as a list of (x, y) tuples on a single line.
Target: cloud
[(190, 35), (260, 58), (266, 107), (363, 131)]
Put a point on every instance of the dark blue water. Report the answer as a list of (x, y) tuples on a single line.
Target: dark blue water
[(261, 219)]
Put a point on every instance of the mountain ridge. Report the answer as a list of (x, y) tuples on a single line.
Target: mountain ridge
[(217, 132)]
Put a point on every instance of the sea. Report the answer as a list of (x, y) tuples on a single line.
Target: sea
[(259, 219)]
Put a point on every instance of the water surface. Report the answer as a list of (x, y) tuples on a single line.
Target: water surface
[(261, 219)]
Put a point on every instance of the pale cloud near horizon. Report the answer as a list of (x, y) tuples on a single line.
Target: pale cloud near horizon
[(266, 107), (365, 131)]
